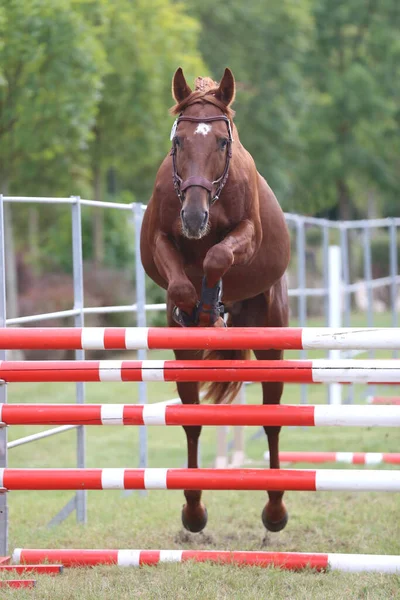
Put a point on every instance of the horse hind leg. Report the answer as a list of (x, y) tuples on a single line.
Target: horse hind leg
[(269, 310), (274, 515), (194, 513)]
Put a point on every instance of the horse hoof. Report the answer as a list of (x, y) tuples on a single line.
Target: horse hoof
[(196, 520), (274, 526)]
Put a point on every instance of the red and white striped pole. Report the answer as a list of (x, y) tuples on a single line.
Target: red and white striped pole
[(391, 400), (206, 415), (252, 338), (284, 560), (203, 479), (352, 458), (287, 371)]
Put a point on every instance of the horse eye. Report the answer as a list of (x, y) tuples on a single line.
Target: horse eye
[(223, 143), (177, 141)]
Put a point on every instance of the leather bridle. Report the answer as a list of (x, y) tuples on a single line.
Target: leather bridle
[(198, 180)]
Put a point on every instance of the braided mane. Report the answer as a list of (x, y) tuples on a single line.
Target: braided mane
[(204, 92)]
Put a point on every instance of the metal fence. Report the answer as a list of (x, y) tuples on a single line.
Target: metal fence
[(309, 291)]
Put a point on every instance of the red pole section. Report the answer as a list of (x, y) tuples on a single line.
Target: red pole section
[(394, 400), (42, 569), (69, 558), (17, 583), (312, 457)]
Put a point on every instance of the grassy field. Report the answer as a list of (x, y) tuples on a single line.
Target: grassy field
[(319, 522)]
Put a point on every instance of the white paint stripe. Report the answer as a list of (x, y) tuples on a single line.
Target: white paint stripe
[(356, 371), (358, 563), (171, 555), (155, 479), (92, 338), (373, 458), (112, 479), (110, 370), (136, 338), (112, 414), (1, 478), (16, 556), (1, 413), (350, 338), (128, 558), (366, 481), (346, 457), (153, 370), (154, 414), (357, 416)]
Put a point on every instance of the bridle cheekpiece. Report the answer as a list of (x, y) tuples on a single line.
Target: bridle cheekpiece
[(198, 180)]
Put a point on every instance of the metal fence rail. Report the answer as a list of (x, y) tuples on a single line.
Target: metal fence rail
[(346, 235)]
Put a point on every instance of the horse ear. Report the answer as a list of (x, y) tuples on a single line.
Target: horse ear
[(226, 89), (180, 89)]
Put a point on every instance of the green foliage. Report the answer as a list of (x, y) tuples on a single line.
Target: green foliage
[(144, 43), (351, 128), (56, 241), (266, 46), (51, 67)]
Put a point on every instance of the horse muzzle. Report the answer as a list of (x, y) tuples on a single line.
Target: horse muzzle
[(195, 213)]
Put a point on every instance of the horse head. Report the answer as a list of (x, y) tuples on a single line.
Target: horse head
[(201, 147)]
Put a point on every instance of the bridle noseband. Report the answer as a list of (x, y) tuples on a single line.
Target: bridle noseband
[(180, 185)]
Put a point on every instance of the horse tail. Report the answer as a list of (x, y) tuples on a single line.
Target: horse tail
[(223, 392)]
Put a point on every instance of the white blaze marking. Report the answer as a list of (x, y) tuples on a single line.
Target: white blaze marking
[(203, 128)]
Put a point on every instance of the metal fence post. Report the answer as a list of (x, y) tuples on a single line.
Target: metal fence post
[(302, 285), (141, 322), (77, 262), (335, 312), (393, 271), (344, 248), (3, 389), (368, 277)]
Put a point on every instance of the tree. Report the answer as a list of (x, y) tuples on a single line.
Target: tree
[(144, 43), (352, 127), (50, 79), (265, 44)]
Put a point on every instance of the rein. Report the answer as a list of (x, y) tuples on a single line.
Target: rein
[(198, 180)]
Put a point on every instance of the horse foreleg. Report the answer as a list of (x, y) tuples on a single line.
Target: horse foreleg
[(170, 266), (236, 249)]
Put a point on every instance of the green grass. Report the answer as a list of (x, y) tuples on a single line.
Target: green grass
[(319, 522)]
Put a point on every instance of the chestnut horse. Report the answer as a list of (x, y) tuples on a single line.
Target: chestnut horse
[(215, 228)]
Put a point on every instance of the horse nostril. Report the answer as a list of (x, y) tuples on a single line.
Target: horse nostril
[(182, 213), (205, 218)]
